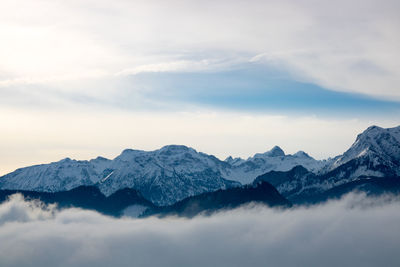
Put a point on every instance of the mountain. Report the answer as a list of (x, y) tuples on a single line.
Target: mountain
[(379, 146), (245, 171), (207, 203), (175, 172), (89, 197), (372, 186), (376, 152), (374, 155), (166, 175), (63, 175), (129, 202), (292, 184), (163, 176)]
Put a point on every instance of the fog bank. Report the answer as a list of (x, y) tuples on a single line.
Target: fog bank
[(353, 231)]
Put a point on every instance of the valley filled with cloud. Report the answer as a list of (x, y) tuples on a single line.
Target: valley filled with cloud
[(353, 231)]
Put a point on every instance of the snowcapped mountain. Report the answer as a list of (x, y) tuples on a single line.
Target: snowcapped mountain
[(57, 176), (166, 175), (174, 172), (163, 176), (376, 152), (245, 171)]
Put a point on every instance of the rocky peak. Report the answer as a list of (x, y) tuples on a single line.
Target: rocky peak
[(276, 151)]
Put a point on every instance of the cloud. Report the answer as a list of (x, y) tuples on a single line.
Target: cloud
[(179, 66), (341, 46), (354, 231), (18, 210)]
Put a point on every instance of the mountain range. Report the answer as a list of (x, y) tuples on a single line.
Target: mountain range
[(174, 173)]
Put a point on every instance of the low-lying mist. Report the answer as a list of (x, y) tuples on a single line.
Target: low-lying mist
[(353, 231)]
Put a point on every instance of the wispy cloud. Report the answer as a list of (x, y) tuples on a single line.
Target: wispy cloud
[(182, 66), (344, 46)]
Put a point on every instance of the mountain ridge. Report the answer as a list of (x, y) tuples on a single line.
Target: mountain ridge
[(174, 172)]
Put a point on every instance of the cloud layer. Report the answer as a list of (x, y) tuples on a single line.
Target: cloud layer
[(355, 231)]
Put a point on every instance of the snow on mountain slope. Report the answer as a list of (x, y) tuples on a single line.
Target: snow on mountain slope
[(245, 171), (63, 175), (174, 172), (166, 175), (376, 148), (163, 176), (375, 153)]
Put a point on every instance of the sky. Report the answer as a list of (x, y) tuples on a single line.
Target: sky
[(86, 78)]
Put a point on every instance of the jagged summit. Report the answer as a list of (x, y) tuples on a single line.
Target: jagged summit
[(100, 158), (67, 159), (301, 154), (164, 176), (174, 172), (229, 159), (276, 151), (176, 148), (376, 132), (165, 150), (234, 161), (375, 149)]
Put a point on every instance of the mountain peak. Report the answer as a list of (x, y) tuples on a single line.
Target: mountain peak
[(375, 142), (128, 154), (276, 151), (100, 158), (301, 154), (373, 128), (228, 159), (374, 133), (174, 148), (67, 159), (129, 150), (234, 161)]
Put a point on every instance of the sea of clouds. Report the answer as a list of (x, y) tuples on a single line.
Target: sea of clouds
[(353, 231)]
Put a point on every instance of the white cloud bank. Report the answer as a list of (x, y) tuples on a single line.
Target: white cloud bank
[(342, 45), (354, 231)]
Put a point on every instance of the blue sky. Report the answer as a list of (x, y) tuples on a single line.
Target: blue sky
[(255, 88), (87, 78)]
